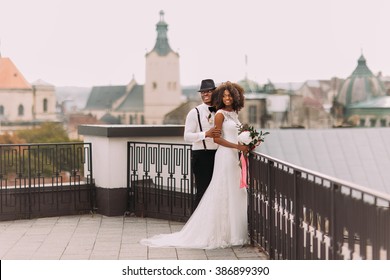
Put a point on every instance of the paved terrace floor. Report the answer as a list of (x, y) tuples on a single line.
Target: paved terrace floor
[(97, 237)]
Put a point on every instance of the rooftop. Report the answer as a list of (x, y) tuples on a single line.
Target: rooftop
[(358, 155), (10, 76)]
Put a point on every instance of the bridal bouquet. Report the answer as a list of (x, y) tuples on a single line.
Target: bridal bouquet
[(249, 136)]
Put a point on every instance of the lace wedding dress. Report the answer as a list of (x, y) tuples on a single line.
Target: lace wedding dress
[(220, 220)]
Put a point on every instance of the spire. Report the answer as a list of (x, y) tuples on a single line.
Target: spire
[(162, 46), (362, 68)]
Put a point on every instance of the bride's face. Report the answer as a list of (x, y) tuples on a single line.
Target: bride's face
[(227, 98)]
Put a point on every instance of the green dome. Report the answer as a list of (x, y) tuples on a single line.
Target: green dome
[(250, 86), (362, 85)]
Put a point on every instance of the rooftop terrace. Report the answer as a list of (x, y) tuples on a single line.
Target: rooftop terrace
[(97, 237)]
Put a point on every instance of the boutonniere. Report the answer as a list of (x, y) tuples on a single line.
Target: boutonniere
[(210, 119)]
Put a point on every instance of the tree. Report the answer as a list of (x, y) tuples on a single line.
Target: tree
[(8, 138), (47, 133)]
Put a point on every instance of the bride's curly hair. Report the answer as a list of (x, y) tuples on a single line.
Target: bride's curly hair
[(236, 91)]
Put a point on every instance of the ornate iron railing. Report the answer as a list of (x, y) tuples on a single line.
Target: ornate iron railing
[(295, 213), (40, 180), (159, 180)]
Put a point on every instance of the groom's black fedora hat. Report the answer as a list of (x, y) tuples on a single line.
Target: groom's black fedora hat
[(206, 85)]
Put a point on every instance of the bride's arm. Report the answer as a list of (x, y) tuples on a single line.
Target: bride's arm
[(218, 120)]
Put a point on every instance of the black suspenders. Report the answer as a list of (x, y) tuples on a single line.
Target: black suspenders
[(200, 127)]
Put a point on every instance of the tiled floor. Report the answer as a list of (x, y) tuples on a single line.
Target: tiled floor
[(97, 237)]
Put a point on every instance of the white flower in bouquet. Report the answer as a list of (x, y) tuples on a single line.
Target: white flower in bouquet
[(245, 137), (249, 136)]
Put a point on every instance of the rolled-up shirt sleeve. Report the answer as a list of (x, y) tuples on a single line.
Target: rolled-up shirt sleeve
[(190, 130)]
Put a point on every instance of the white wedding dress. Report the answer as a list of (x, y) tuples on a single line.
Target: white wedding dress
[(220, 220)]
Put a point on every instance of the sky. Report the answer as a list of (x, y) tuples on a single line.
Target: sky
[(104, 42)]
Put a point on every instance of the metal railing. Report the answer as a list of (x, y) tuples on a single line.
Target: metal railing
[(159, 181), (41, 180), (295, 213)]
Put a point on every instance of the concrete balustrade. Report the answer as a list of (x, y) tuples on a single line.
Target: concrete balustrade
[(109, 158)]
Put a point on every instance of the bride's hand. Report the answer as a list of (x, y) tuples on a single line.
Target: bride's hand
[(243, 148)]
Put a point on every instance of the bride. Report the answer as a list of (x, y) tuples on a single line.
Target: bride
[(220, 220)]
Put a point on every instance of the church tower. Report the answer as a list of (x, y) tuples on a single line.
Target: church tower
[(162, 90)]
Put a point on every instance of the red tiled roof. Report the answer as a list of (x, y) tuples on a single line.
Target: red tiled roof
[(10, 77)]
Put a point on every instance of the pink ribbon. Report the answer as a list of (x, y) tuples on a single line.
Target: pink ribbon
[(244, 167)]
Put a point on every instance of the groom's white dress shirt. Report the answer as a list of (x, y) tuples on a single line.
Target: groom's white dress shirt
[(192, 132)]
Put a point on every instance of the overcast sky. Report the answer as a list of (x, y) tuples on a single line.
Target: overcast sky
[(101, 42)]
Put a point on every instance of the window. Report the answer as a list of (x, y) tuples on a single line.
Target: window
[(1, 110), (373, 122), (20, 110), (131, 121), (252, 114), (383, 122), (45, 105)]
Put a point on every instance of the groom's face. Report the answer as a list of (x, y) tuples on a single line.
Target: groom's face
[(206, 96)]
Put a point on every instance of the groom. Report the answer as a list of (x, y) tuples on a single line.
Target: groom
[(200, 131)]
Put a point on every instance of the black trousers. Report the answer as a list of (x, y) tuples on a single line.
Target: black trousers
[(202, 162)]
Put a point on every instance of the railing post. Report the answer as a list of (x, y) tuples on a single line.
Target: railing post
[(29, 180), (295, 213), (130, 187), (332, 222), (92, 180), (250, 199), (271, 200)]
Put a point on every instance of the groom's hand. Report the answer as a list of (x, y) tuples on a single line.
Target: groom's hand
[(213, 132)]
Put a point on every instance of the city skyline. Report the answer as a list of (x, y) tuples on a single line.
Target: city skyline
[(87, 43)]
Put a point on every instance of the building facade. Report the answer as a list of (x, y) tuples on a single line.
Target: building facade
[(143, 104), (23, 104), (362, 100)]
